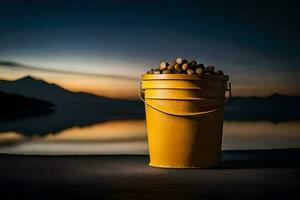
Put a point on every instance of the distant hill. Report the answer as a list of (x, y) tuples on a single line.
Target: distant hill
[(275, 101), (274, 108), (37, 88), (15, 107), (18, 101)]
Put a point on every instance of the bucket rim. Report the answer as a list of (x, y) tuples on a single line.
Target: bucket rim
[(184, 77)]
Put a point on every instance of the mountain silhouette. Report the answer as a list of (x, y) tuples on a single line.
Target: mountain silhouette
[(18, 101), (40, 89), (275, 101), (274, 108), (14, 107)]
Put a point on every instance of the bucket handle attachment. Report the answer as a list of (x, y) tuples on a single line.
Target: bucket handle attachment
[(183, 114), (228, 89)]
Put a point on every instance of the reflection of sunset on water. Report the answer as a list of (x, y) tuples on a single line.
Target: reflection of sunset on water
[(129, 136), (107, 131), (261, 135), (10, 137), (112, 137)]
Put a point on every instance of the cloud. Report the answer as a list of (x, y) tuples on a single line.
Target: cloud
[(17, 66), (10, 64)]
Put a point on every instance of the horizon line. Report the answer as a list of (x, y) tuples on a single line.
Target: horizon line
[(40, 79)]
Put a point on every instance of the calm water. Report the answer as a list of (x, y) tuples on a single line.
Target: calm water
[(129, 137)]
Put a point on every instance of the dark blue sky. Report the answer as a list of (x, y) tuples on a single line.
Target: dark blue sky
[(257, 38)]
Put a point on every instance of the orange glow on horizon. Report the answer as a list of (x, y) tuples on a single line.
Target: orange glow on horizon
[(101, 86)]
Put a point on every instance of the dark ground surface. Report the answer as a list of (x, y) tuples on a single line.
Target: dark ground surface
[(255, 174)]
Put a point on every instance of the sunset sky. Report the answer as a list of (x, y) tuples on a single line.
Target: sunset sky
[(103, 47)]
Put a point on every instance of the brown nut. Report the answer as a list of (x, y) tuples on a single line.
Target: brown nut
[(171, 67), (193, 63), (179, 61), (199, 71), (178, 71), (210, 68), (201, 66), (185, 66), (184, 61), (177, 66), (149, 72), (190, 71), (163, 65), (166, 72), (220, 72)]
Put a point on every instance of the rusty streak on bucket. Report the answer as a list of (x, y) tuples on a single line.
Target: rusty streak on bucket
[(184, 116)]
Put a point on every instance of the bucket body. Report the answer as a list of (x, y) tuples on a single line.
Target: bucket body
[(184, 117)]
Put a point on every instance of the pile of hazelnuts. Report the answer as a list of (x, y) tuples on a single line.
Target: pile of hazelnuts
[(184, 66)]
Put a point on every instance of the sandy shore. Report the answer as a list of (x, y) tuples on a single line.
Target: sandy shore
[(255, 174)]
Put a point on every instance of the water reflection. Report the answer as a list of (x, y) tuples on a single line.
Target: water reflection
[(129, 137), (113, 137), (261, 135), (10, 137), (132, 130)]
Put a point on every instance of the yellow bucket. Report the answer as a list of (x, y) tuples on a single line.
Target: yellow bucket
[(184, 117)]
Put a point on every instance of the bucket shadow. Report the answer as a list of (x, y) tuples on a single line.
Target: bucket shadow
[(271, 158)]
